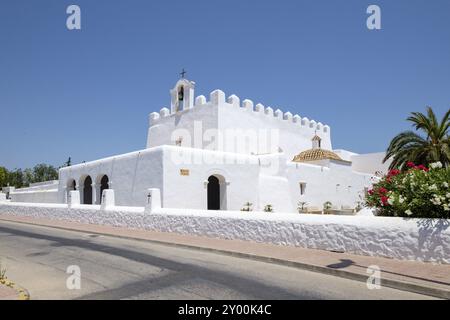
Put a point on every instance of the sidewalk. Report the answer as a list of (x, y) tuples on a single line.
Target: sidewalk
[(11, 291), (7, 293), (425, 278)]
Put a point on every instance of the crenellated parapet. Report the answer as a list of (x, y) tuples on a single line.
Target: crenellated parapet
[(218, 98)]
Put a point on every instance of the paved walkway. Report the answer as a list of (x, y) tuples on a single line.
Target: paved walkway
[(420, 277)]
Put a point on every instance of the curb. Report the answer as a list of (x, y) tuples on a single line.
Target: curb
[(395, 284)]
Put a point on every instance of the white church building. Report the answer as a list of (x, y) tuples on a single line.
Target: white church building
[(221, 154)]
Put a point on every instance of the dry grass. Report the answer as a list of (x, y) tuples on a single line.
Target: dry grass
[(2, 271)]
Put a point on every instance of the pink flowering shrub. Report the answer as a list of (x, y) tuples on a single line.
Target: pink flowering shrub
[(418, 192)]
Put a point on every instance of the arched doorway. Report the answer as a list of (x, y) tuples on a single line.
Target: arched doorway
[(216, 193), (104, 184), (87, 191), (213, 193)]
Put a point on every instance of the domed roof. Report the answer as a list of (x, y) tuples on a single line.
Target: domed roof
[(316, 154)]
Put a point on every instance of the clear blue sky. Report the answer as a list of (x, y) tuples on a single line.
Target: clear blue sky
[(87, 94)]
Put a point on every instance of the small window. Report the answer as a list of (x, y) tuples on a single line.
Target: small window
[(302, 188)]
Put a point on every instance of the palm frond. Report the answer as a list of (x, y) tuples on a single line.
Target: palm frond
[(411, 146)]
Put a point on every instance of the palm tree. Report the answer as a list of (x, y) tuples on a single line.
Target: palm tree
[(410, 146)]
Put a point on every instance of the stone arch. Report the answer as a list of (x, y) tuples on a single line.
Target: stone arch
[(216, 192)]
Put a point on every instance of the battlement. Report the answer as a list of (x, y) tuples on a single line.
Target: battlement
[(218, 98)]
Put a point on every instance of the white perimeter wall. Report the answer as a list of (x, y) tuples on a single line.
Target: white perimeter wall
[(410, 239), (42, 192), (39, 196)]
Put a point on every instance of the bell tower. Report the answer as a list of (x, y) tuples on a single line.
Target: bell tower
[(182, 95)]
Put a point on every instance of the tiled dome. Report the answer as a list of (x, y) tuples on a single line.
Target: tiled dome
[(316, 154)]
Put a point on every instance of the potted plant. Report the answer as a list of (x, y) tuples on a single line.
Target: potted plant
[(247, 207), (327, 207), (301, 206)]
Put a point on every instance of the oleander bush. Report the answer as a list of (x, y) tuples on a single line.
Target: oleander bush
[(415, 192)]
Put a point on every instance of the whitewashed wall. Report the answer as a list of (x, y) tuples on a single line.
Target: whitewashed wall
[(161, 130), (345, 154), (409, 239), (39, 186), (130, 175), (41, 192), (293, 137), (336, 183), (240, 174), (294, 133), (38, 196), (370, 163), (261, 180)]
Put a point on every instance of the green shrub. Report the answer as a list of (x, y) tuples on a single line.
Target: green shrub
[(417, 192), (327, 205)]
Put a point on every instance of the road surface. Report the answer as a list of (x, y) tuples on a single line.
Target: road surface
[(37, 258)]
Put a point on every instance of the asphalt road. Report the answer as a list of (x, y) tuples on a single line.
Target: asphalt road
[(37, 258)]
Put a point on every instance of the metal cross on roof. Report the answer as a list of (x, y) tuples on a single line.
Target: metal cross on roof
[(183, 73)]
